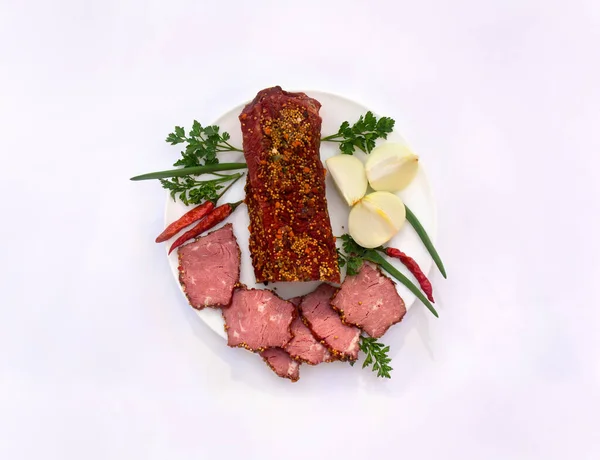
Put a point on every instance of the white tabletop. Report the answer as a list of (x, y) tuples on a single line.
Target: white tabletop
[(101, 358)]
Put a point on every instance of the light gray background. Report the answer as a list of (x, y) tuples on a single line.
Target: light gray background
[(101, 358)]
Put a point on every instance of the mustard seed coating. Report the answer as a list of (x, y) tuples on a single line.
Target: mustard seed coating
[(290, 232)]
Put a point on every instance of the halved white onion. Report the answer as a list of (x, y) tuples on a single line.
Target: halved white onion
[(376, 218), (349, 176), (391, 167)]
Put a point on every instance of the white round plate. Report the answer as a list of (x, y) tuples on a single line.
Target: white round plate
[(334, 111)]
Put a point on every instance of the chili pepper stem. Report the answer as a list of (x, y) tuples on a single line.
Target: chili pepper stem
[(235, 205)]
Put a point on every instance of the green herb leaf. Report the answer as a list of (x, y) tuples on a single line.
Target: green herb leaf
[(176, 137), (352, 260), (354, 265), (362, 134), (202, 145), (376, 355), (350, 246), (191, 191)]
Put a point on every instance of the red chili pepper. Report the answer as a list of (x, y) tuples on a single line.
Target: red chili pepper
[(188, 218), (217, 215), (414, 268), (192, 216)]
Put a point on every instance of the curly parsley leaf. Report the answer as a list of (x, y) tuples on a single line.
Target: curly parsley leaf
[(354, 265), (376, 356), (176, 137), (192, 191), (351, 247), (351, 262), (362, 134), (202, 144), (353, 257)]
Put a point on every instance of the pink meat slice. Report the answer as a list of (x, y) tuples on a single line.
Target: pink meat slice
[(370, 301), (258, 319), (305, 347), (281, 363), (327, 326), (296, 300), (209, 268)]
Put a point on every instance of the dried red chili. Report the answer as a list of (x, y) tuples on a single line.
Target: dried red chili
[(188, 218), (414, 268), (192, 216), (217, 215)]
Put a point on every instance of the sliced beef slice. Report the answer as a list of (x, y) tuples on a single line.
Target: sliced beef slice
[(370, 301), (327, 326), (305, 347), (296, 300), (209, 268), (281, 363), (258, 319)]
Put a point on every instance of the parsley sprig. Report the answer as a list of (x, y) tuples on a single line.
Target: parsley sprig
[(352, 263), (192, 191), (354, 255), (377, 356), (362, 134), (202, 144)]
